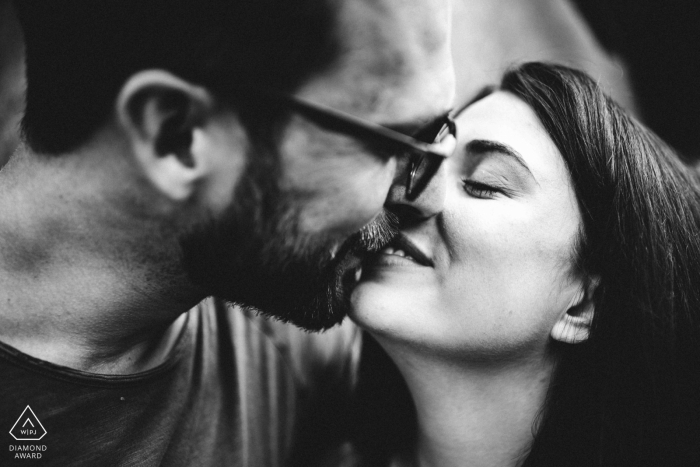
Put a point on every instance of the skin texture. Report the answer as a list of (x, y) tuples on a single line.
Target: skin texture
[(94, 267), (470, 332)]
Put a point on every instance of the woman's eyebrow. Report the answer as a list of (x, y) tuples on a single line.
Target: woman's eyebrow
[(483, 146)]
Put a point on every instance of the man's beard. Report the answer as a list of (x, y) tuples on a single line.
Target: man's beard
[(255, 255)]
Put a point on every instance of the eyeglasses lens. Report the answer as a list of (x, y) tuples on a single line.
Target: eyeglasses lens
[(423, 167)]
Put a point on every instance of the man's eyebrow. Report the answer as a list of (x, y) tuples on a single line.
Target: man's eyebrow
[(483, 146)]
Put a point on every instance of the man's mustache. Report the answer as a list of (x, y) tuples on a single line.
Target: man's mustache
[(378, 233), (369, 239)]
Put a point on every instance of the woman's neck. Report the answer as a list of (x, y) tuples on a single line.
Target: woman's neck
[(473, 415)]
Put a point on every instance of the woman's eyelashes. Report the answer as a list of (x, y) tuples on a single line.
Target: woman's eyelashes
[(481, 190)]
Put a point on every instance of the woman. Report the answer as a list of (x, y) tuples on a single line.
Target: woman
[(549, 315)]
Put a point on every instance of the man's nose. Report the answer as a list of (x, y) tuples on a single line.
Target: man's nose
[(428, 203)]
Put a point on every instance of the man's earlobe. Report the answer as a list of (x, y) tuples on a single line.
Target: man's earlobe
[(160, 114), (574, 324)]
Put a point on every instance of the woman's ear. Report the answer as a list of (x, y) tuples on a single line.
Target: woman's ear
[(574, 324), (159, 113)]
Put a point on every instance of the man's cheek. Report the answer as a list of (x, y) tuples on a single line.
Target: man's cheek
[(349, 199)]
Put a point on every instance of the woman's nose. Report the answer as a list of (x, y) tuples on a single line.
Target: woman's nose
[(426, 204)]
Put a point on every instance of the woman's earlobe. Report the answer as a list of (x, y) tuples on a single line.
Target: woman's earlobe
[(574, 325)]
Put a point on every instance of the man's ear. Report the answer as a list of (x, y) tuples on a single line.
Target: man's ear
[(574, 324), (160, 114)]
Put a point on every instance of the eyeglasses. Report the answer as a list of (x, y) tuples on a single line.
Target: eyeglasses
[(425, 152)]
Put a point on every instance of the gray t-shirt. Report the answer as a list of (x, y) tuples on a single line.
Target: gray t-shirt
[(234, 391)]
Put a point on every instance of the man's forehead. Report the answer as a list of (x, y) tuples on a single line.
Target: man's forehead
[(394, 26), (394, 62)]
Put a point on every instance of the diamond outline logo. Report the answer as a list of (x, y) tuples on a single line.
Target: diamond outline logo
[(28, 419)]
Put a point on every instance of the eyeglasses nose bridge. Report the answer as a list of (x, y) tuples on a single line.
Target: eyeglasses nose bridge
[(446, 129), (446, 146)]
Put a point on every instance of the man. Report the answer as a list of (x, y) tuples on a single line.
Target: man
[(179, 149)]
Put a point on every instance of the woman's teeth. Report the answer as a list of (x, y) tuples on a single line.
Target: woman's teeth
[(396, 252)]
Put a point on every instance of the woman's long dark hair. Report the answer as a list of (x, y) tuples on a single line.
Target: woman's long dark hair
[(629, 395)]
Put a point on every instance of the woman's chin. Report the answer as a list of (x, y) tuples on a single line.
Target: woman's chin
[(381, 301)]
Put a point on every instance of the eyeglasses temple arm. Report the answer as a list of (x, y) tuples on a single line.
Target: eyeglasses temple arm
[(336, 120)]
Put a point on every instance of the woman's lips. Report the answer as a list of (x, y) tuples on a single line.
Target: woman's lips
[(402, 246), (352, 257), (401, 252)]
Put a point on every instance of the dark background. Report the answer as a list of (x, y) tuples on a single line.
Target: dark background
[(660, 43)]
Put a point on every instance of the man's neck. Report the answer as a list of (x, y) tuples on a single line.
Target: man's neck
[(472, 415), (81, 284)]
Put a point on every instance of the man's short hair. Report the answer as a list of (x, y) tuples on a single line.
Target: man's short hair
[(80, 53)]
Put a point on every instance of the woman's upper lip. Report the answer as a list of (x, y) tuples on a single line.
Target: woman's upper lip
[(403, 242)]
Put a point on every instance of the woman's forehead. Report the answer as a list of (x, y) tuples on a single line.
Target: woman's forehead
[(497, 103)]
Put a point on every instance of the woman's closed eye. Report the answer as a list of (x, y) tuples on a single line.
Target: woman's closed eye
[(481, 190), (491, 169)]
